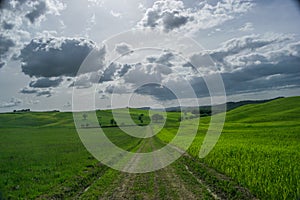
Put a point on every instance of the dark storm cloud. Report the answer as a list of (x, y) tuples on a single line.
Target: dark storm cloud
[(5, 44), (158, 91), (45, 83), (3, 4), (38, 11), (7, 26), (36, 91), (264, 76), (55, 57)]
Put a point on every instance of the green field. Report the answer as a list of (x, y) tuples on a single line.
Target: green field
[(256, 157)]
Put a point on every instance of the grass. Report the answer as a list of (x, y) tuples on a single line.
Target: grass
[(41, 155), (259, 147), (36, 160)]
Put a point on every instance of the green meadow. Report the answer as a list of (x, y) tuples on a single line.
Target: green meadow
[(256, 157)]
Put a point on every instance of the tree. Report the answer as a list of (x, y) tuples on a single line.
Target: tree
[(140, 118), (84, 116), (113, 122)]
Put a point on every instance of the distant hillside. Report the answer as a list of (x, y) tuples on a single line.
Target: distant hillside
[(282, 109), (229, 105)]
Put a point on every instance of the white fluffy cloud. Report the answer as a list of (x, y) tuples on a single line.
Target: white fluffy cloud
[(173, 14), (233, 53), (123, 48)]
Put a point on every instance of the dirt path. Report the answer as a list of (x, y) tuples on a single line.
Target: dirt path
[(161, 184), (186, 178)]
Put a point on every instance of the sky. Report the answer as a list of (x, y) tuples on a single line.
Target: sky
[(254, 46)]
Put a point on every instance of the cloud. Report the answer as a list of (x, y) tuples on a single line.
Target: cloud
[(251, 63), (247, 27), (45, 82), (114, 71), (54, 57), (174, 14), (82, 81), (125, 68), (5, 45), (140, 74), (159, 92), (169, 14), (123, 48), (12, 103), (46, 93), (232, 52), (7, 26), (163, 59), (109, 72), (147, 77), (39, 9), (256, 63), (117, 88), (16, 18), (37, 91), (19, 12)]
